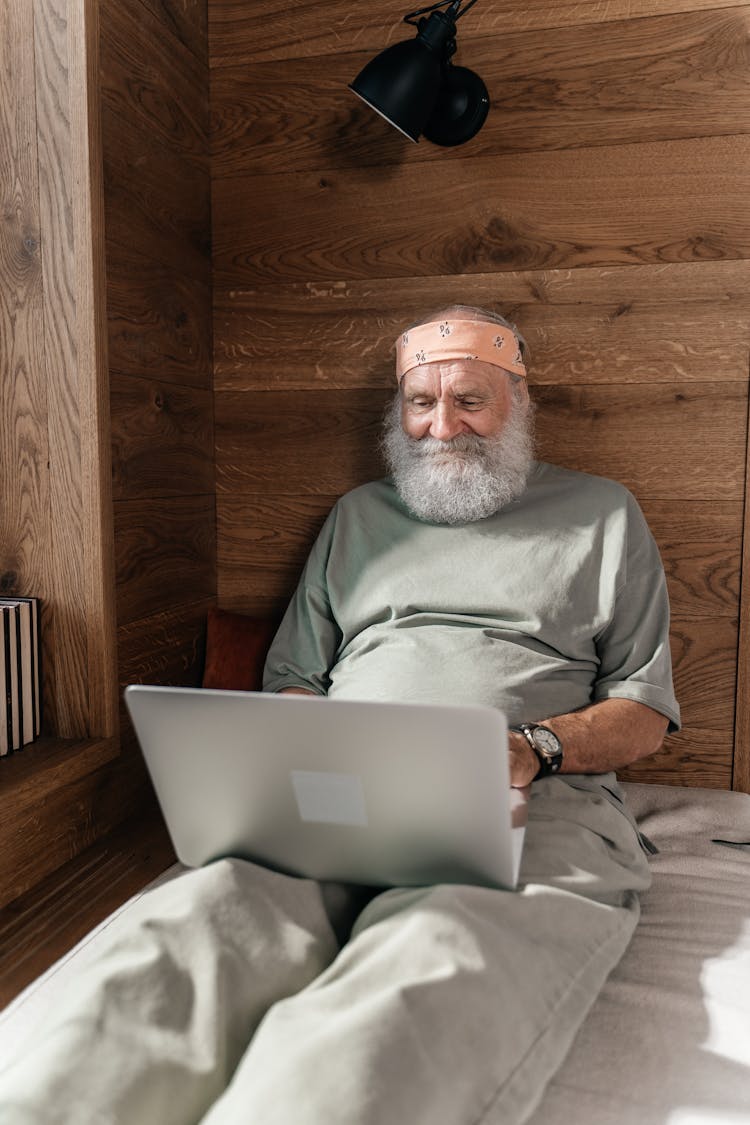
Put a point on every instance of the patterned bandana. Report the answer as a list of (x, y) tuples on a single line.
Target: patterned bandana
[(459, 339)]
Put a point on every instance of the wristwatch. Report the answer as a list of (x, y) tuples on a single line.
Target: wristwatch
[(546, 745)]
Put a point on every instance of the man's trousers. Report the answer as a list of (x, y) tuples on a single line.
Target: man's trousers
[(224, 996)]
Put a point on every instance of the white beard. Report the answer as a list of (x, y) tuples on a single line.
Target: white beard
[(466, 479)]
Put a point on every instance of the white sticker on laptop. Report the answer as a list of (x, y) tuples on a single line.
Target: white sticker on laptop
[(329, 798)]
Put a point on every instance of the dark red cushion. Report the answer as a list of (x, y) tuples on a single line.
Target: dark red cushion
[(236, 647)]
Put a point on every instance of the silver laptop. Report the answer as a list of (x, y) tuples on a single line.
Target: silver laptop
[(386, 794)]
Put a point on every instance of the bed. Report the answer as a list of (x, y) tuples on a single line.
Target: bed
[(668, 1040)]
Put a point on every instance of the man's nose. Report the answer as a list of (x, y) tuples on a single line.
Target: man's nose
[(445, 423)]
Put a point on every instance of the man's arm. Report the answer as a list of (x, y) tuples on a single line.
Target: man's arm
[(296, 691), (605, 736)]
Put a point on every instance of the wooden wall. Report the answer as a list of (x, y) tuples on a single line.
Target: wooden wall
[(603, 206), (55, 529), (154, 103), (106, 418)]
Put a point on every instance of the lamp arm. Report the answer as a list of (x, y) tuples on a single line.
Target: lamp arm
[(451, 4), (470, 4)]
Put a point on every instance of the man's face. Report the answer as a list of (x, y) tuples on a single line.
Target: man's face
[(448, 398)]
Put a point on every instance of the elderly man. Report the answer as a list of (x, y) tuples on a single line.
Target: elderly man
[(472, 574)]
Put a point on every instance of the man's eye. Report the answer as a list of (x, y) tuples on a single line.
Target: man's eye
[(421, 402), (470, 403)]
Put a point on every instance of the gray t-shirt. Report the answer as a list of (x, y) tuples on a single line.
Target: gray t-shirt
[(556, 602)]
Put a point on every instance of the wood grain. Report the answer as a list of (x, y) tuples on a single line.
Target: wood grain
[(666, 77), (185, 20), (741, 770), (47, 795), (659, 440), (158, 317), (150, 80), (704, 656), (699, 543), (155, 115), (157, 204), (623, 324), (57, 158), (165, 554), (305, 442), (262, 546), (360, 223), (166, 648), (240, 33), (90, 368), (24, 442), (698, 757), (162, 439)]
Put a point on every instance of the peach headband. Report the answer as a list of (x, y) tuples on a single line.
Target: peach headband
[(459, 339)]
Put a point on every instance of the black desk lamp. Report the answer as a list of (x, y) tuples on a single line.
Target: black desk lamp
[(414, 86)]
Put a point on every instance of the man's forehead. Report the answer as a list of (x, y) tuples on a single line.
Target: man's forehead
[(463, 375)]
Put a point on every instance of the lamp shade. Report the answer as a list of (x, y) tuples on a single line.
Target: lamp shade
[(414, 86), (402, 85)]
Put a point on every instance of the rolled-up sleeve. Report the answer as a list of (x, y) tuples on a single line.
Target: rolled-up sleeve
[(305, 646), (633, 649)]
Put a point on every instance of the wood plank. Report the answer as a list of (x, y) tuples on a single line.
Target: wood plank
[(741, 764), (151, 81), (701, 758), (166, 648), (353, 223), (42, 925), (165, 554), (47, 792), (704, 658), (90, 367), (157, 203), (280, 443), (659, 440), (67, 561), (624, 324), (159, 318), (24, 447), (666, 77), (263, 544), (699, 543), (240, 33), (185, 20), (72, 246), (162, 439)]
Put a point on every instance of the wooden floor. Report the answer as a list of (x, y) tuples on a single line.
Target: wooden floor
[(43, 924)]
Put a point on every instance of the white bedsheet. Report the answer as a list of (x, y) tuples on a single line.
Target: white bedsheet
[(668, 1040)]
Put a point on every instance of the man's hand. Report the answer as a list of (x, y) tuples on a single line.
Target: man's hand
[(524, 764)]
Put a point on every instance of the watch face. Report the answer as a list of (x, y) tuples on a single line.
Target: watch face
[(547, 742)]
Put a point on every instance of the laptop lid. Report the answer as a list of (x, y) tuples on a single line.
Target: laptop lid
[(392, 794)]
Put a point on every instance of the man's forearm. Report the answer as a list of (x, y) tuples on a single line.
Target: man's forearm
[(605, 736)]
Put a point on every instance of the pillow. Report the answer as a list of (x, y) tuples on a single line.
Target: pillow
[(236, 647)]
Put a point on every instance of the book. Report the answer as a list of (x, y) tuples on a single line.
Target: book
[(14, 704), (23, 669), (6, 697)]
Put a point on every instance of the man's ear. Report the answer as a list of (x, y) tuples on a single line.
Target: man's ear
[(523, 389)]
